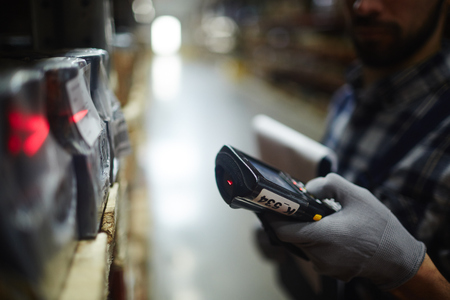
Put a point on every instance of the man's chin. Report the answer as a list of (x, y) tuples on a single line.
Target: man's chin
[(379, 60), (376, 62), (376, 55)]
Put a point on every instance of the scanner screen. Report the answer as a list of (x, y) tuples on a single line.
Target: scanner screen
[(271, 175)]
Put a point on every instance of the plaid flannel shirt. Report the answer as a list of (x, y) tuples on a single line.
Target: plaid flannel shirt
[(364, 125)]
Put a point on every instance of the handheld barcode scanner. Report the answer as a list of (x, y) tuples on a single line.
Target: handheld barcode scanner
[(245, 182)]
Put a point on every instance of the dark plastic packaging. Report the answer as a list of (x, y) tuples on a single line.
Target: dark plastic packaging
[(105, 101), (38, 192), (58, 72), (79, 129), (93, 188), (94, 57), (107, 104)]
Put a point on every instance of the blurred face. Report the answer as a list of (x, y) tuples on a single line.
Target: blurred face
[(387, 32)]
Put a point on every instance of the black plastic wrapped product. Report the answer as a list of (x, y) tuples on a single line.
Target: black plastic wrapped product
[(97, 86), (106, 103), (94, 57), (92, 162), (58, 71), (78, 127), (38, 192), (121, 145)]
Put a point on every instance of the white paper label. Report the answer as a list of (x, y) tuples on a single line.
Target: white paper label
[(81, 102), (276, 202)]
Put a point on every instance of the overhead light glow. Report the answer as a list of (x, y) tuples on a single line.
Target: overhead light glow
[(166, 35)]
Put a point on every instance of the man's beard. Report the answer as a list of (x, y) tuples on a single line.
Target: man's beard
[(401, 48)]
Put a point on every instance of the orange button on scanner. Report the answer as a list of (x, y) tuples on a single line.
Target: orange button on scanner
[(317, 217)]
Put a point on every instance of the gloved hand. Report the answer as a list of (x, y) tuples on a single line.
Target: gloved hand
[(364, 239)]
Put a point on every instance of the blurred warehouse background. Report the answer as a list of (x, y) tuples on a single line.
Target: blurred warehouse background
[(112, 113)]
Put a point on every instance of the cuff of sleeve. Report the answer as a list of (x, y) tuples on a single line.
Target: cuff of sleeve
[(398, 257)]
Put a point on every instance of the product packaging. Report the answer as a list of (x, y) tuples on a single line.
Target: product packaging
[(38, 201)]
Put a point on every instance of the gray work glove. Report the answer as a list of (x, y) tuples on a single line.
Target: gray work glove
[(364, 239)]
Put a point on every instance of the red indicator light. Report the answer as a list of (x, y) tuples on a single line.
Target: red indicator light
[(39, 128), (230, 182), (28, 132), (79, 115)]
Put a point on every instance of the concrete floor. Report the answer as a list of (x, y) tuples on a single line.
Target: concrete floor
[(200, 248)]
